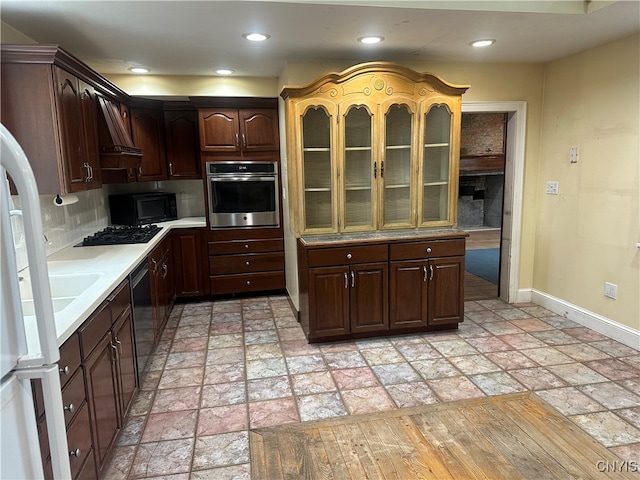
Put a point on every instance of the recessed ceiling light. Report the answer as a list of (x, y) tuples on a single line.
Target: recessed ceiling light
[(371, 39), (256, 37), (139, 70), (482, 43), (224, 71)]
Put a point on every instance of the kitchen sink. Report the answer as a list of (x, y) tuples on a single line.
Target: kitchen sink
[(28, 308), (64, 290)]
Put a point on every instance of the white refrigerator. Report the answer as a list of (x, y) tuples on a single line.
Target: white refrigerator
[(26, 356)]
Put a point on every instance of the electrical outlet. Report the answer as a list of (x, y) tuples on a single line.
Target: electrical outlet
[(573, 155), (552, 188), (610, 290)]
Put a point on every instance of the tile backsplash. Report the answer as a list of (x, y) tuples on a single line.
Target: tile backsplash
[(69, 224)]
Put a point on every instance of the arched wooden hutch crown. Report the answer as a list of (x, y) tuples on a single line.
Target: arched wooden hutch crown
[(373, 147)]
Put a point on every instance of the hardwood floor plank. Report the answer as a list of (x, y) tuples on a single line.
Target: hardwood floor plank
[(392, 449), (566, 440), (477, 456), (319, 457), (426, 454), (516, 445), (517, 436), (345, 456)]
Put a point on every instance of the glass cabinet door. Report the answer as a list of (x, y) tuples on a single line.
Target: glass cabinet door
[(317, 169), (358, 165), (395, 168), (436, 164)]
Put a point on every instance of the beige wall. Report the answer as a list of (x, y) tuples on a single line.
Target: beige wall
[(185, 85), (8, 34), (587, 235)]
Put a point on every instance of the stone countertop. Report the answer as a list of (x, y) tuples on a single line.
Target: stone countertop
[(112, 263), (380, 236)]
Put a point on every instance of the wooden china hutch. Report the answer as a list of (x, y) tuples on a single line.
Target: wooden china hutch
[(373, 165)]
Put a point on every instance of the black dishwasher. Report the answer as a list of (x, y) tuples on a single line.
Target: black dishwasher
[(142, 315)]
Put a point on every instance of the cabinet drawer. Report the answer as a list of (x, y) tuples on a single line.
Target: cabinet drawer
[(73, 396), (92, 331), (120, 300), (251, 282), (246, 246), (255, 262), (426, 249), (325, 257), (69, 359), (79, 440)]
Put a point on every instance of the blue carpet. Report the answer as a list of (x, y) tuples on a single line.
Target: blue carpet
[(483, 263)]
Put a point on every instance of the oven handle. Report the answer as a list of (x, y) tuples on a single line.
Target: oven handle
[(242, 179)]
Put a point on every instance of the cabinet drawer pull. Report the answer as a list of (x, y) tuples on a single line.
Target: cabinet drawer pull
[(64, 370), (75, 453), (248, 282), (246, 246), (353, 280), (349, 256), (346, 280), (428, 249), (70, 408), (247, 263), (424, 271)]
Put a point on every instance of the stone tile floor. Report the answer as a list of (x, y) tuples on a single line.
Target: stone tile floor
[(224, 367)]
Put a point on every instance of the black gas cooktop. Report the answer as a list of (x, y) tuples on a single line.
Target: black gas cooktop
[(122, 235)]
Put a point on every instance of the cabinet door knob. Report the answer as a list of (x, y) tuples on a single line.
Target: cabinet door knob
[(428, 249), (75, 453), (70, 408), (349, 256), (247, 263), (246, 246), (64, 370), (248, 282)]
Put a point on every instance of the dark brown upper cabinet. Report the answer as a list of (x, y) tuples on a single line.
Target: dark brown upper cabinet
[(147, 125), (50, 105), (181, 136), (239, 131)]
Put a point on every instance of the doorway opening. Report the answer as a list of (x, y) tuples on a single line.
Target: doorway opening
[(483, 141), (500, 179)]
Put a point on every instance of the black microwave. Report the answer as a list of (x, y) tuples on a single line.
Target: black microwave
[(142, 208)]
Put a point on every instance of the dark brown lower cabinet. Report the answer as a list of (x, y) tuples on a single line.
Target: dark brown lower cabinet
[(379, 287), (245, 260), (108, 358), (189, 265), (349, 299)]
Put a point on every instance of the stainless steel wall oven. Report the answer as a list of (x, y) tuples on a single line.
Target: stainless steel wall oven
[(243, 194)]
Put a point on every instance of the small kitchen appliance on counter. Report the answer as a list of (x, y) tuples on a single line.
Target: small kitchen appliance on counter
[(142, 208)]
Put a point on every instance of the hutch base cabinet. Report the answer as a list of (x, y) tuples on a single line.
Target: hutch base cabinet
[(356, 286)]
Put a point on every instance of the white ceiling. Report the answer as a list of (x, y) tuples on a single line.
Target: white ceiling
[(196, 37)]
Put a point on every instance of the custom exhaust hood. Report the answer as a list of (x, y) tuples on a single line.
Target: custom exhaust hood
[(117, 150)]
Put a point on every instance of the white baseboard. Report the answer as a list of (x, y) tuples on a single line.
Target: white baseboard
[(614, 330)]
